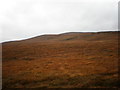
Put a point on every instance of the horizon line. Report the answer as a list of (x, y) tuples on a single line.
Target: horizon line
[(57, 34)]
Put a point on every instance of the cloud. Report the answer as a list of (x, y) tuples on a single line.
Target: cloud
[(26, 18)]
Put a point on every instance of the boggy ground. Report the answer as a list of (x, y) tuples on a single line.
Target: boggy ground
[(71, 60)]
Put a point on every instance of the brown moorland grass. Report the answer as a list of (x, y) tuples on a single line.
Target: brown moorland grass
[(70, 60)]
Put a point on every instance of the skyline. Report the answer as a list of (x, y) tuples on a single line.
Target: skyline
[(22, 19)]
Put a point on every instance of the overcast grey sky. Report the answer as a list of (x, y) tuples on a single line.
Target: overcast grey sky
[(20, 19)]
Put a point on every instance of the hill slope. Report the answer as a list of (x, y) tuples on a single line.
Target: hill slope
[(63, 60)]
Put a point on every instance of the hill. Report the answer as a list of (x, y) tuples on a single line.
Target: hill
[(65, 60)]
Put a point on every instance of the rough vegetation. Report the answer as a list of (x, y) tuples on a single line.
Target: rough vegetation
[(70, 60)]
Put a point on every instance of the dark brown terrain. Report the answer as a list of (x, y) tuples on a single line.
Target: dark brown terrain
[(69, 60)]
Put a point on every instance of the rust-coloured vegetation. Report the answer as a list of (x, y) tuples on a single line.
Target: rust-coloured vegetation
[(71, 60)]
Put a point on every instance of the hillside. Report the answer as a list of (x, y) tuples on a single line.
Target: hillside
[(65, 60)]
